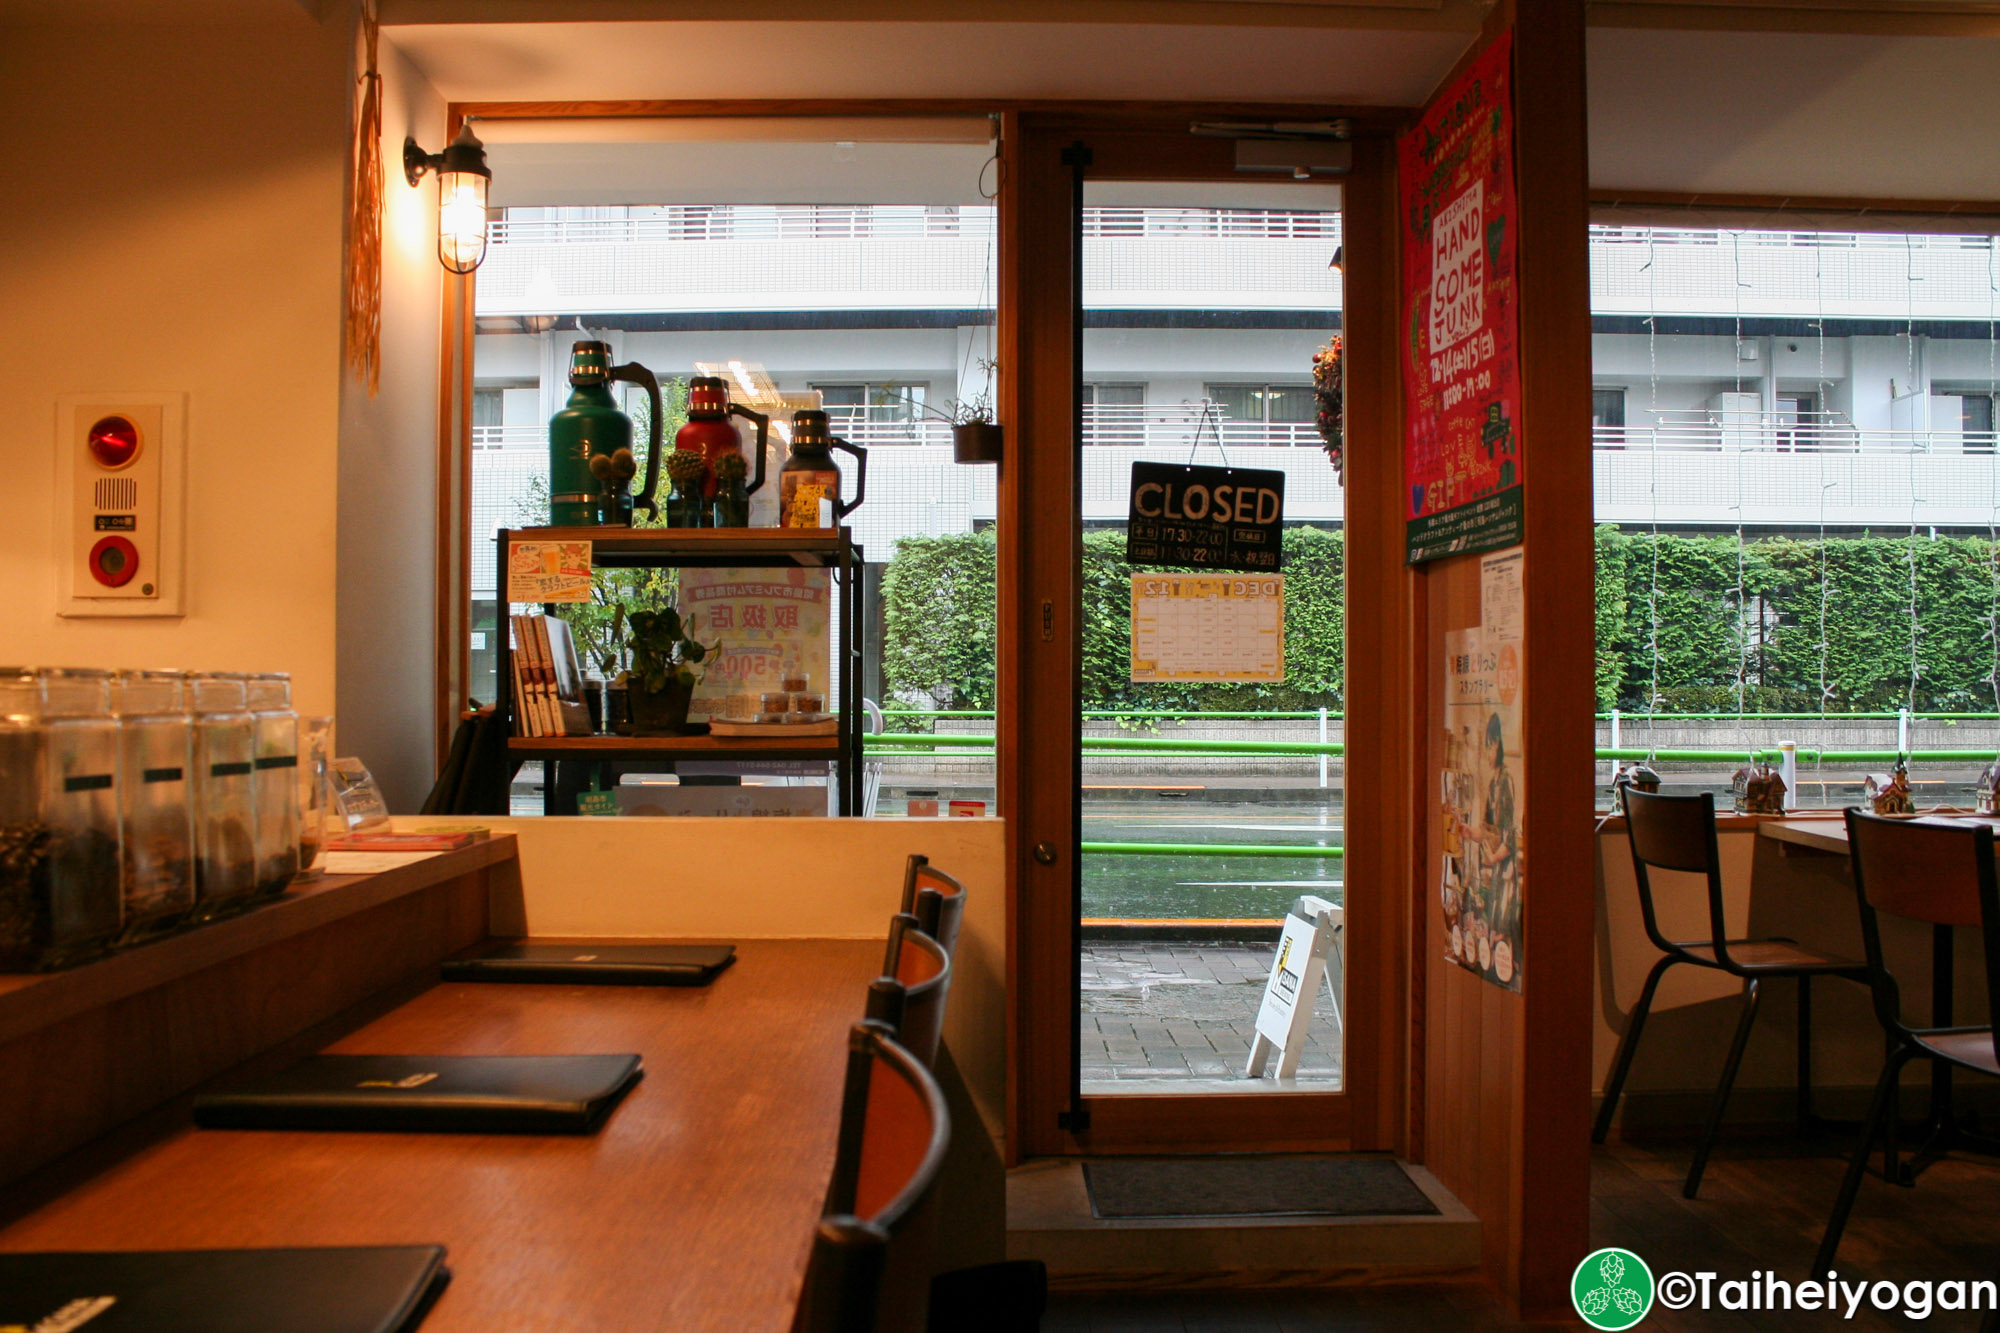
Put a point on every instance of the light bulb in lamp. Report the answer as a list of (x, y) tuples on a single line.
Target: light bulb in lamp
[(462, 180)]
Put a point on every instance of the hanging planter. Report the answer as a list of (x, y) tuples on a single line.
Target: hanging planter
[(977, 441), (1329, 405)]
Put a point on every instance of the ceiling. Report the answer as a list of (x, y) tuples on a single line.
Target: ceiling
[(814, 59), (1866, 117)]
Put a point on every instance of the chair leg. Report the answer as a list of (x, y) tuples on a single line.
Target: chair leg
[(1857, 1166), (1805, 1053), (1627, 1045), (1743, 1025)]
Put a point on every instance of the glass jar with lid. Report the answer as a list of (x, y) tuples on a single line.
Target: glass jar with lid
[(59, 848), (225, 743), (156, 802), (275, 778)]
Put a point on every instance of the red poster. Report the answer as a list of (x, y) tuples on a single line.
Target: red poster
[(1461, 293)]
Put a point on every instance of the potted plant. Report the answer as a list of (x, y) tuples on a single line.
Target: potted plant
[(732, 499), (1329, 404), (975, 436), (666, 666), (687, 505)]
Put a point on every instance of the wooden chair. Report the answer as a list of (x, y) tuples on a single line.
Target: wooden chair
[(1941, 875), (870, 1268), (1007, 1297), (909, 997), (1678, 833), (936, 899)]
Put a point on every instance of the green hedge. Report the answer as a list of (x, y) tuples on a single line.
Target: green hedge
[(938, 628), (1854, 595)]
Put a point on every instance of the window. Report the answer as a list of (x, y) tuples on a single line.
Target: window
[(885, 413), (1804, 525), (1281, 413), (1607, 409), (1795, 425), (486, 408), (1114, 413)]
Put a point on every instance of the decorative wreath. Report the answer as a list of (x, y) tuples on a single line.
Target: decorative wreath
[(1327, 404)]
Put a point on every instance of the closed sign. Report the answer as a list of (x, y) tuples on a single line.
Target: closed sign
[(1206, 517)]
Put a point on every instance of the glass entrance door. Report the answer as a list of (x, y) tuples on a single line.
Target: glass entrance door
[(1211, 689)]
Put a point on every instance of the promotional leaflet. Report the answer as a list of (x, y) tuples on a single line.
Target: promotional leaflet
[(1460, 308), (1482, 880), (766, 622), (548, 572)]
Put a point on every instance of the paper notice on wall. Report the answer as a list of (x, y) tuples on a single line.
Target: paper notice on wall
[(769, 623), (1479, 806), (1208, 627), (548, 572), (1500, 595)]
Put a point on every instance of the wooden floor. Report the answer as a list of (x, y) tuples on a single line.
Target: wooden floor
[(1763, 1207)]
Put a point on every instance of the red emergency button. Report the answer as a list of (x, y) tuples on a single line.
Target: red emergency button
[(113, 561), (114, 442)]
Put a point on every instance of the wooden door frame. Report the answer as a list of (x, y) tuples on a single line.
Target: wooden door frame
[(1039, 671)]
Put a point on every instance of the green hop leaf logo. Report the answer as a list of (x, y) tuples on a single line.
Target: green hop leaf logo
[(1612, 1289)]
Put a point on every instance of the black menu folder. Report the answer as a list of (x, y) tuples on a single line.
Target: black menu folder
[(476, 1094), (357, 1289), (603, 964)]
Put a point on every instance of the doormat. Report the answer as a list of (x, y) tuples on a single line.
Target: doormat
[(1252, 1187)]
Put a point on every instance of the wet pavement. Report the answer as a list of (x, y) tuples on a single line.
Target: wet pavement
[(1159, 1011)]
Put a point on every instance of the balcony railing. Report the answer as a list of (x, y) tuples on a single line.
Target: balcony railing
[(1768, 433), (1163, 428), (808, 222)]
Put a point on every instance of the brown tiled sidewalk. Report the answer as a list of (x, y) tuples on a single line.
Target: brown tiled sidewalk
[(1165, 1010)]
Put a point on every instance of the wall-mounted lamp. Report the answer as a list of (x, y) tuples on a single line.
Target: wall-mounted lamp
[(1339, 258), (462, 176)]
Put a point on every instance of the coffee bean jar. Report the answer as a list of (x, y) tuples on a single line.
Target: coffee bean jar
[(156, 800), (275, 779), (225, 745), (59, 847)]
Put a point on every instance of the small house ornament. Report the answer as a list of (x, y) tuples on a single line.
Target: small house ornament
[(1759, 790), (1639, 777), (1986, 796), (1889, 793)]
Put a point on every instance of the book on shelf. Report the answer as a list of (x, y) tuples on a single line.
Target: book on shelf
[(572, 713), (518, 669), (548, 679)]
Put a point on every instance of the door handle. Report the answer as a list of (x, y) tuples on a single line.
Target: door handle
[(1045, 853)]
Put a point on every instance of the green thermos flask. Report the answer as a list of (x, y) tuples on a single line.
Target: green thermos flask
[(590, 444)]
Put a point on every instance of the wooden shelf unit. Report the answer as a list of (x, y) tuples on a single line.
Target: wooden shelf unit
[(711, 548)]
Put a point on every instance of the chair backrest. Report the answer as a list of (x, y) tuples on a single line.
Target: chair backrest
[(1927, 871), (1675, 833), (940, 905), (869, 1270), (910, 995), (913, 869)]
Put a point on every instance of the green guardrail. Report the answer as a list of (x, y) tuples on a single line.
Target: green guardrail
[(1158, 745), (1336, 715), (1213, 849), (974, 747)]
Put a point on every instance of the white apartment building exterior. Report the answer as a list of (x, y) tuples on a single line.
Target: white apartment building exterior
[(1768, 381)]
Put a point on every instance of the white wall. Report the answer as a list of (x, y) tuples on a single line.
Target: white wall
[(173, 222), (386, 600)]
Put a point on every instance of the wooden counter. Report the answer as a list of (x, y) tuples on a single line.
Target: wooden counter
[(1829, 833), (89, 1048), (690, 1210)]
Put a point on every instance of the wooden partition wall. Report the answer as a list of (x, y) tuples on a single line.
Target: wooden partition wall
[(1501, 1080)]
